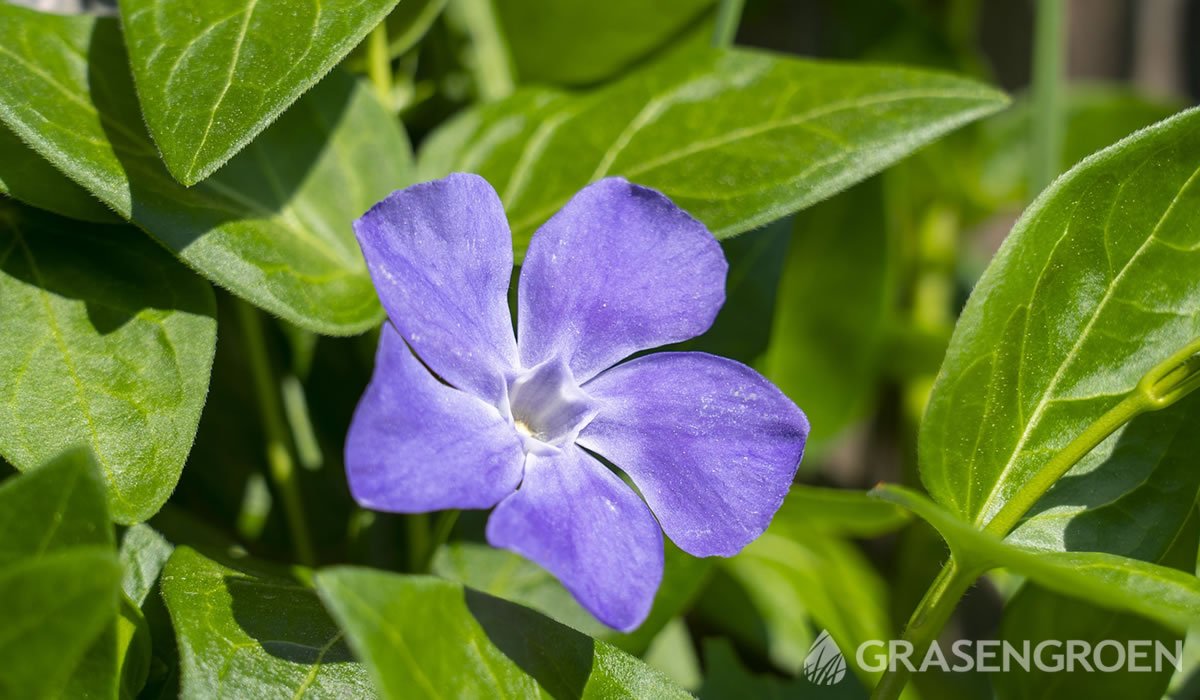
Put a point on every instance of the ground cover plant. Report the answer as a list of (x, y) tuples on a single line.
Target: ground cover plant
[(515, 348)]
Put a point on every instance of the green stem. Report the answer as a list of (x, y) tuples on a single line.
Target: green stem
[(926, 623), (1048, 117), (488, 58), (379, 63), (729, 16), (1164, 385), (281, 467), (442, 526)]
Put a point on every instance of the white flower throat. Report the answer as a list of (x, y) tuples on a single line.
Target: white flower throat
[(547, 407)]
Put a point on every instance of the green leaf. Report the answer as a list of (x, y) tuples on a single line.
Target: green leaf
[(247, 633), (576, 42), (1156, 592), (53, 606), (728, 679), (110, 345), (834, 302), (273, 226), (1133, 496), (737, 138), (426, 637), (1093, 287), (143, 554), (58, 505), (512, 577), (1036, 614), (59, 583), (212, 75), (26, 176)]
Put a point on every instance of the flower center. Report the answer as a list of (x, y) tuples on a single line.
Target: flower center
[(547, 407)]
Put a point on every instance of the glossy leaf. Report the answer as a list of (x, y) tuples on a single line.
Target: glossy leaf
[(590, 41), (245, 633), (26, 176), (1159, 593), (1036, 614), (426, 637), (110, 345), (833, 306), (273, 227), (212, 75), (512, 577), (736, 138), (1078, 304)]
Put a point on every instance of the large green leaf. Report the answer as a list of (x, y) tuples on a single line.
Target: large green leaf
[(575, 42), (59, 583), (1160, 593), (1095, 286), (512, 577), (1036, 614), (26, 176), (426, 637), (249, 633), (54, 607), (212, 75), (273, 226), (834, 302), (143, 554), (1133, 496), (110, 343), (737, 138)]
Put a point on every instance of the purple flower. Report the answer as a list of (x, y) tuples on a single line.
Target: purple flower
[(710, 443)]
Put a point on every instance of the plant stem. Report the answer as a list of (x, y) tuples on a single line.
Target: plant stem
[(442, 526), (1048, 51), (729, 15), (926, 623), (488, 58), (281, 466), (379, 63), (1164, 385)]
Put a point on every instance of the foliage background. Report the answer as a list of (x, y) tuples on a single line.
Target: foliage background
[(848, 305)]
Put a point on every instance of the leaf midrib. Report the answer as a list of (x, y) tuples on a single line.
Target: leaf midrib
[(1045, 400)]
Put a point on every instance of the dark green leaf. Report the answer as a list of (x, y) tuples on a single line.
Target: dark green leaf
[(737, 138), (212, 75), (57, 505), (1093, 288), (727, 679), (832, 309), (110, 345), (54, 607), (1036, 614), (273, 226), (576, 42), (426, 637), (1119, 583), (26, 176), (59, 583), (242, 633)]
